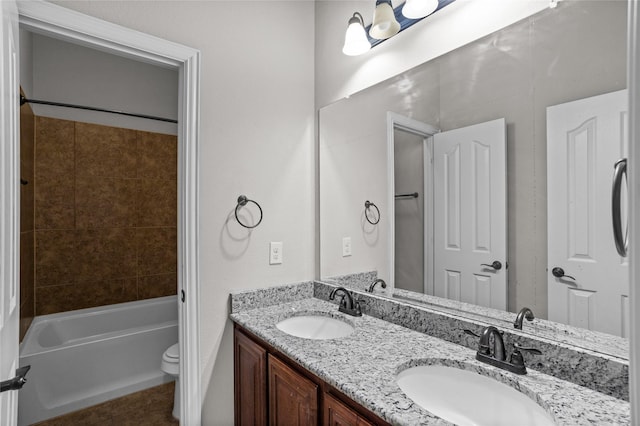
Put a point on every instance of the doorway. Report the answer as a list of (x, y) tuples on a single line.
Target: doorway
[(61, 23)]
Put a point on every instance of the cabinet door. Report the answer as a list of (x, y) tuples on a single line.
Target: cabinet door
[(293, 399), (250, 368), (338, 414)]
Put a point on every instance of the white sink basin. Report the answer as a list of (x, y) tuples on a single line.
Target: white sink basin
[(315, 327), (467, 398)]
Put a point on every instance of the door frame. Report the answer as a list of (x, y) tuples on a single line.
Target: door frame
[(401, 122), (65, 24), (633, 85)]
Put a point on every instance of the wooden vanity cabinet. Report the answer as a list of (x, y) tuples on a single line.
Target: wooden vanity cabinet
[(338, 414), (293, 399), (272, 389), (250, 388)]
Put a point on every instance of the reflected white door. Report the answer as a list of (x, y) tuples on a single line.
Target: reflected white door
[(584, 140), (470, 206), (9, 204)]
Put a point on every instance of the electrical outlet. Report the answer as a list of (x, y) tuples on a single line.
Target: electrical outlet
[(275, 253), (346, 246)]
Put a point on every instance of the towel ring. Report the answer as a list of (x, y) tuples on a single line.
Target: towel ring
[(243, 201), (368, 204)]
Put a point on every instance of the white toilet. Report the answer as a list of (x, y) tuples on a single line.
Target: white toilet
[(171, 365)]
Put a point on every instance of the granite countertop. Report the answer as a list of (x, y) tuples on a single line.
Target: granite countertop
[(364, 366)]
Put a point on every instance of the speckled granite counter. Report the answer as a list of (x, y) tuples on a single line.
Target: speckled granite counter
[(365, 364)]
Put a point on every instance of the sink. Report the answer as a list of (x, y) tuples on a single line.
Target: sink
[(315, 327), (467, 398)]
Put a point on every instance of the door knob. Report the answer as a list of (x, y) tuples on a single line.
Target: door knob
[(495, 265), (558, 272)]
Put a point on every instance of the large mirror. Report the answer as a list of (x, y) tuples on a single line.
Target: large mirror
[(550, 85)]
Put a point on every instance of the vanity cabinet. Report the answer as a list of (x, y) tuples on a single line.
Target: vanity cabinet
[(250, 371), (338, 414), (272, 389), (293, 399)]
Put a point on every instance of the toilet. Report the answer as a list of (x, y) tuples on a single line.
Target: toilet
[(171, 365)]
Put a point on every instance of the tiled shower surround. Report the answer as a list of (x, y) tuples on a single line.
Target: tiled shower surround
[(105, 215), (27, 267)]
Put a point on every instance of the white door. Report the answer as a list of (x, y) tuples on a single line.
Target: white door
[(470, 207), (584, 140), (9, 204)]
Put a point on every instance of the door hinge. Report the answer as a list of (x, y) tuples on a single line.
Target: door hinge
[(17, 382)]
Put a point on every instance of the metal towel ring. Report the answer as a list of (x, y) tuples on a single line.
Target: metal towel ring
[(368, 204), (243, 201)]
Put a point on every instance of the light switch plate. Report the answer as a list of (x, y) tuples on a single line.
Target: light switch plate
[(275, 253), (346, 246)]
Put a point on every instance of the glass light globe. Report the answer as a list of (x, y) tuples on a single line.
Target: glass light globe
[(416, 9), (355, 39)]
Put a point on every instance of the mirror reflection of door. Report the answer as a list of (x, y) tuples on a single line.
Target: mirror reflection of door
[(588, 281), (470, 208), (449, 211)]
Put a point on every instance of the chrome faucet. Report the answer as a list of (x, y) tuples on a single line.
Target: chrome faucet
[(373, 284), (496, 355), (347, 304), (524, 313)]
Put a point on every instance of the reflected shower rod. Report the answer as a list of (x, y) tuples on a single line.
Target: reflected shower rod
[(24, 100), (411, 195)]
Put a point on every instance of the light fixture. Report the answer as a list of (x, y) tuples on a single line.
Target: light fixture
[(355, 40), (384, 23), (416, 9)]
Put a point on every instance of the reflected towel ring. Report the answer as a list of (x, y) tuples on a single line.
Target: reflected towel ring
[(368, 204), (243, 201)]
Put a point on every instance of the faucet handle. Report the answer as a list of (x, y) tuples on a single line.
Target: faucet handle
[(356, 306), (517, 358), (471, 333), (522, 348)]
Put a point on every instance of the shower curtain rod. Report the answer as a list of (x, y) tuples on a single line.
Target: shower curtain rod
[(24, 100)]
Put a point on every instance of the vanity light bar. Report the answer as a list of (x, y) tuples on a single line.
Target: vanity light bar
[(404, 21)]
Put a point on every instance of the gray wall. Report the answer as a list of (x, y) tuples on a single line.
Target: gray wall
[(69, 73)]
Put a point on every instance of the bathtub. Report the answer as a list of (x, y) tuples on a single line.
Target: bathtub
[(84, 357)]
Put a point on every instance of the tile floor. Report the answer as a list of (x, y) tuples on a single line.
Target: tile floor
[(150, 407)]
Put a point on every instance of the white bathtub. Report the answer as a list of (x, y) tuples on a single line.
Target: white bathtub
[(84, 357)]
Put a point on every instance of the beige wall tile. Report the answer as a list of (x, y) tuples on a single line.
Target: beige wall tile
[(27, 203), (54, 202), (54, 147), (157, 286), (93, 186), (105, 202), (61, 298), (157, 156), (156, 202), (55, 257), (103, 254), (105, 151), (157, 250)]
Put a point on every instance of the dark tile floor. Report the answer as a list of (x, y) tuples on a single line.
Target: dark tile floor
[(148, 407)]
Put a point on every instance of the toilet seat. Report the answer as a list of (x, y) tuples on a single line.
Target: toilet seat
[(171, 360)]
